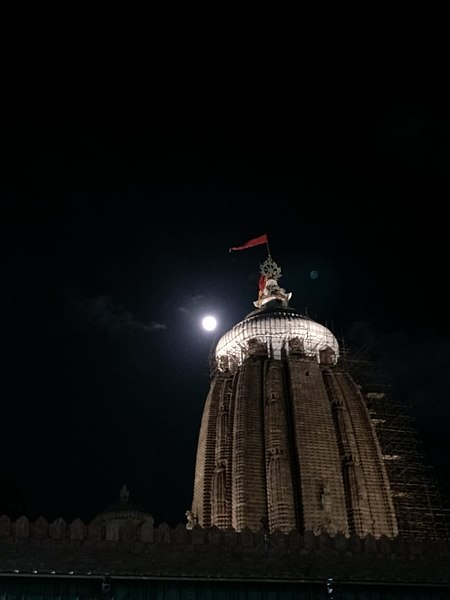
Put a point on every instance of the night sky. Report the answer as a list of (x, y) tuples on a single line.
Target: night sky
[(115, 225)]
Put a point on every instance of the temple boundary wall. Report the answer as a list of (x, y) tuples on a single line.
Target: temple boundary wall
[(141, 535)]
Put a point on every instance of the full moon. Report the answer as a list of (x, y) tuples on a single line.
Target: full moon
[(209, 323)]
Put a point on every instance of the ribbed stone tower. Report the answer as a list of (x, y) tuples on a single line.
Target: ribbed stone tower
[(286, 440)]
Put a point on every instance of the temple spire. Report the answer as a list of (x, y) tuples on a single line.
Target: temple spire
[(268, 284)]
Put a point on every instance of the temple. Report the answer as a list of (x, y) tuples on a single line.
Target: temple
[(309, 483), (289, 439)]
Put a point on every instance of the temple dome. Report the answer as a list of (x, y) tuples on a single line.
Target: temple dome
[(278, 328), (124, 509)]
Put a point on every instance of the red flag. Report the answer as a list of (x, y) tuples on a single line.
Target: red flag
[(262, 239)]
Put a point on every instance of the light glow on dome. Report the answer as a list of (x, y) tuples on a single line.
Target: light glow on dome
[(274, 330)]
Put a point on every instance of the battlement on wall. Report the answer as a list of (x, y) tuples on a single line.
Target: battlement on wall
[(126, 533), (132, 548)]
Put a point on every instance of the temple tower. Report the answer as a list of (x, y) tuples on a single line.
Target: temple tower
[(286, 439)]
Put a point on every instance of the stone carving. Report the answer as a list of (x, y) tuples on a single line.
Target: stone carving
[(191, 520)]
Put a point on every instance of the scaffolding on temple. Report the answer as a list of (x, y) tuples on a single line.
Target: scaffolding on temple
[(421, 508)]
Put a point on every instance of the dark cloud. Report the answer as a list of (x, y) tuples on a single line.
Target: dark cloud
[(102, 312)]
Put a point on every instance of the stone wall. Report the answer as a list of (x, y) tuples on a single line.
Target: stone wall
[(115, 549)]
